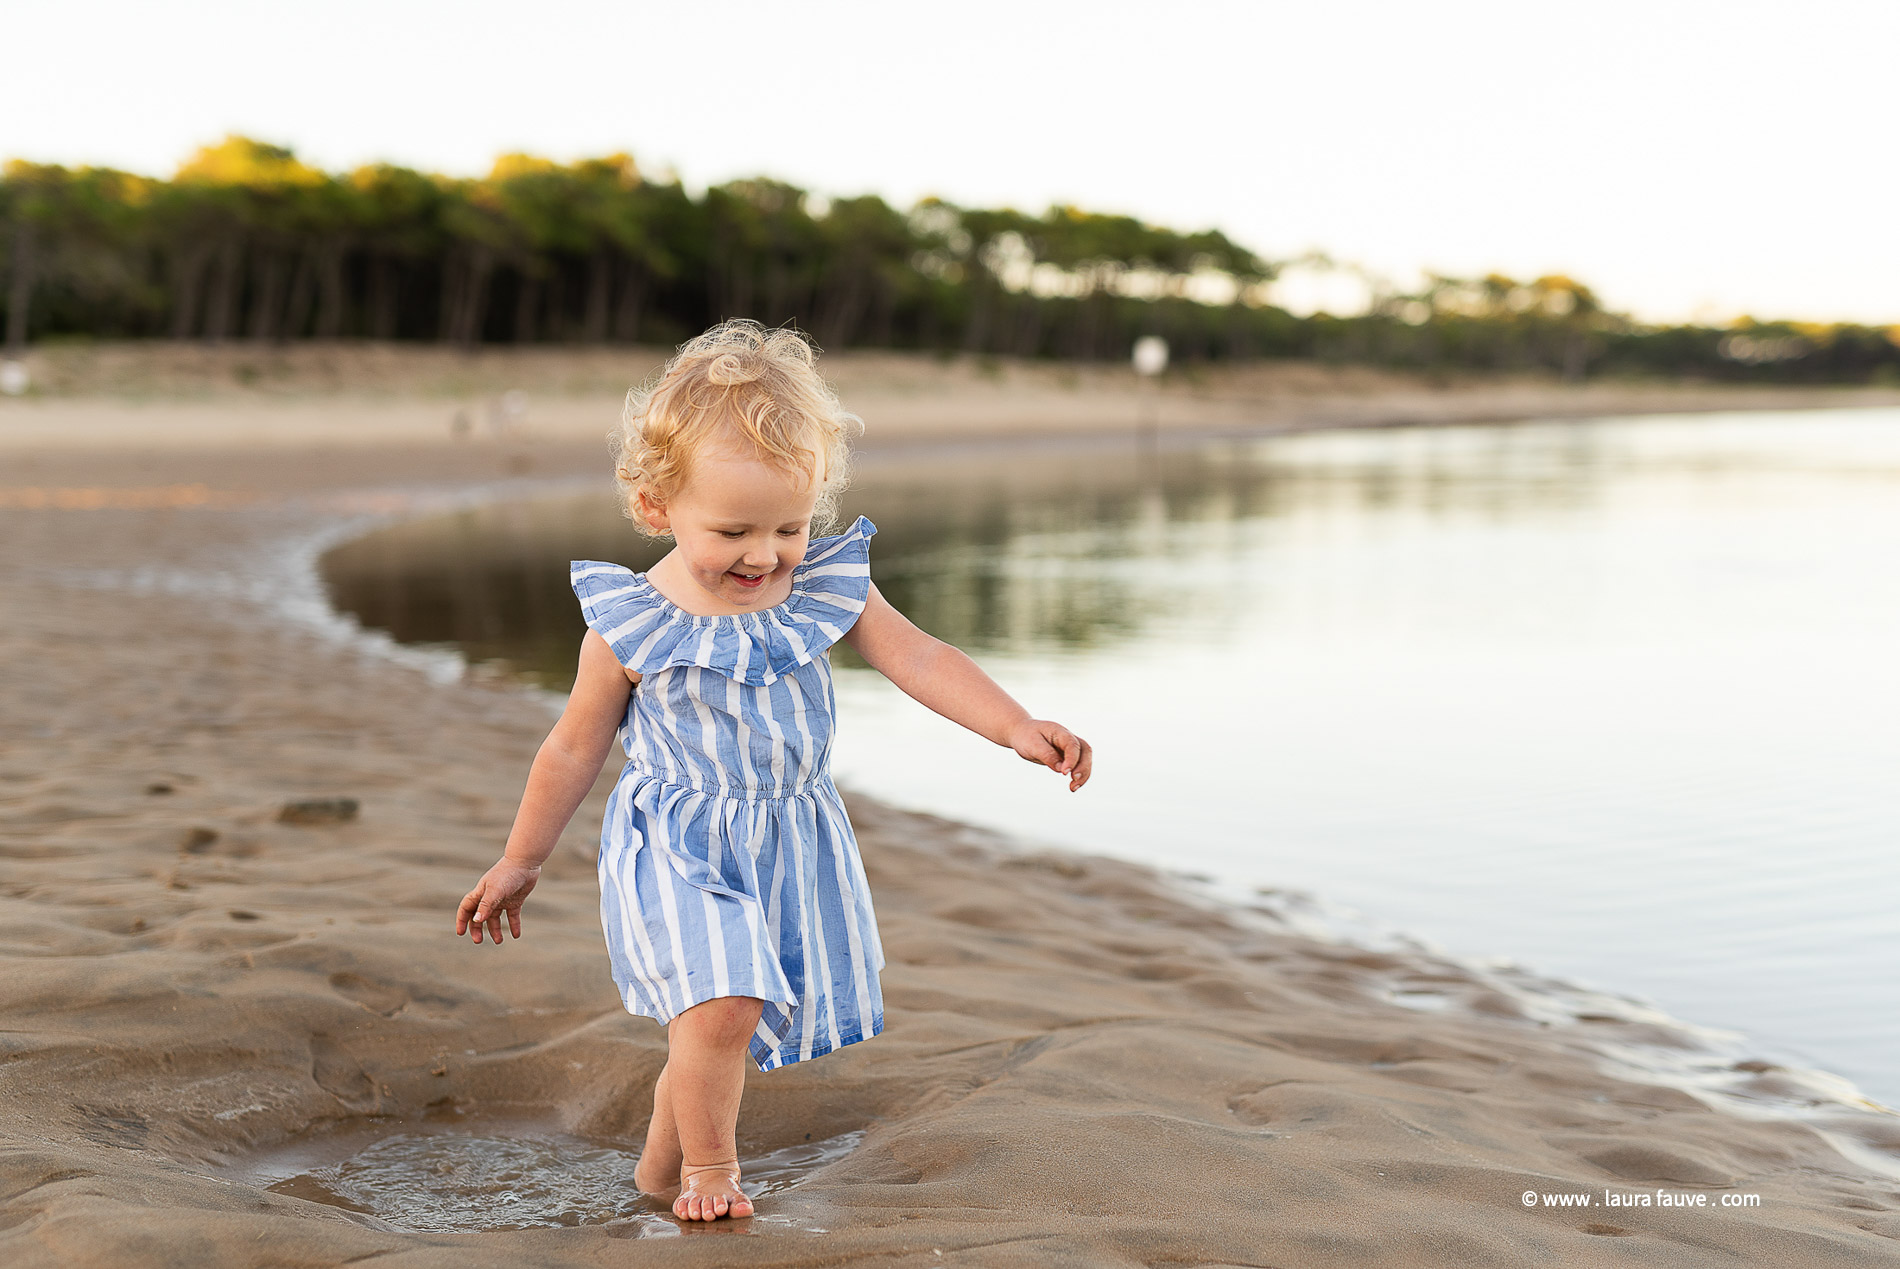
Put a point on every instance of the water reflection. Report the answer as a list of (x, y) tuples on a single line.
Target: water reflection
[(1038, 552), (490, 581)]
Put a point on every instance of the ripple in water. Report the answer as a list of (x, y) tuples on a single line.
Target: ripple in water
[(458, 1182)]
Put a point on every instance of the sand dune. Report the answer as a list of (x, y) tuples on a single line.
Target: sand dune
[(1083, 1064)]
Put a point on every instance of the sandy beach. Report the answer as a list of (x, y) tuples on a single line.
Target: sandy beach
[(159, 396), (1083, 1062)]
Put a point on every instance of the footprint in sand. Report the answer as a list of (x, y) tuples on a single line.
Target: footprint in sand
[(379, 998)]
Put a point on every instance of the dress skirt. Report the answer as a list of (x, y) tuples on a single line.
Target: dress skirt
[(705, 894)]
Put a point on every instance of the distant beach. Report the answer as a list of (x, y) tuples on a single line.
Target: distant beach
[(1082, 1062), (195, 396)]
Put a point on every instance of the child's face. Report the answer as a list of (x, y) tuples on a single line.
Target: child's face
[(741, 524)]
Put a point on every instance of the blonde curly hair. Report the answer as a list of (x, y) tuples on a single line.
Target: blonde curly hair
[(739, 380)]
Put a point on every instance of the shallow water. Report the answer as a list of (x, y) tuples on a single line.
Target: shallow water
[(1615, 699), (429, 1176)]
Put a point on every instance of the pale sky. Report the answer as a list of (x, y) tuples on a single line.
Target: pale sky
[(1687, 158)]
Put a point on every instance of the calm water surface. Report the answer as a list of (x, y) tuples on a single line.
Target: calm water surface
[(1615, 700)]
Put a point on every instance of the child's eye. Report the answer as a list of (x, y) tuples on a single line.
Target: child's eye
[(730, 533), (788, 533)]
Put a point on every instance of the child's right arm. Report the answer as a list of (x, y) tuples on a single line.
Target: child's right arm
[(564, 770)]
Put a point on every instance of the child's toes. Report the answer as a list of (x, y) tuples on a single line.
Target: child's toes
[(716, 1201)]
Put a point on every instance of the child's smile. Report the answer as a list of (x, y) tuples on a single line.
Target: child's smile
[(754, 581), (751, 581)]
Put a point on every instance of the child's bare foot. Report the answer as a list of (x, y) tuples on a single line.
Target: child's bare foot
[(710, 1191)]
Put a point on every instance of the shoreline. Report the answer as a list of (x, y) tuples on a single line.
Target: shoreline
[(1059, 1006)]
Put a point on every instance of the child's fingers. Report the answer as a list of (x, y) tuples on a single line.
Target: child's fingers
[(1084, 764), (486, 915), (1072, 755), (1062, 751), (1064, 747), (1069, 746), (471, 902), (483, 908)]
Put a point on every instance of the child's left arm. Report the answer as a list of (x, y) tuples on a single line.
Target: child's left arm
[(945, 679)]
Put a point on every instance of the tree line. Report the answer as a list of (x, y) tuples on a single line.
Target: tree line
[(247, 242)]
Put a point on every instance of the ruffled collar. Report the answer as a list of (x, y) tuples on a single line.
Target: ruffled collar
[(649, 633)]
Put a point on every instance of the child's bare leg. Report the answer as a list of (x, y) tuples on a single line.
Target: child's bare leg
[(658, 1171), (705, 1076)]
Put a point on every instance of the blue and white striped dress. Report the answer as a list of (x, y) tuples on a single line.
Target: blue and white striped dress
[(727, 864)]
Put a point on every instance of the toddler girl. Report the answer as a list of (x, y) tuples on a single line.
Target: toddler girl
[(732, 893)]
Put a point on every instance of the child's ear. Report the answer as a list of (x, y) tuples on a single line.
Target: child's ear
[(652, 511)]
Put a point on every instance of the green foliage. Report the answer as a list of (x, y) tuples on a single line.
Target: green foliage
[(248, 241)]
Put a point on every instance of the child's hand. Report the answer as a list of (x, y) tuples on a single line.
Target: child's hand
[(1055, 747), (501, 889)]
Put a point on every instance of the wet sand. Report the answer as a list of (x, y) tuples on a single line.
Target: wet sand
[(1082, 1063)]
